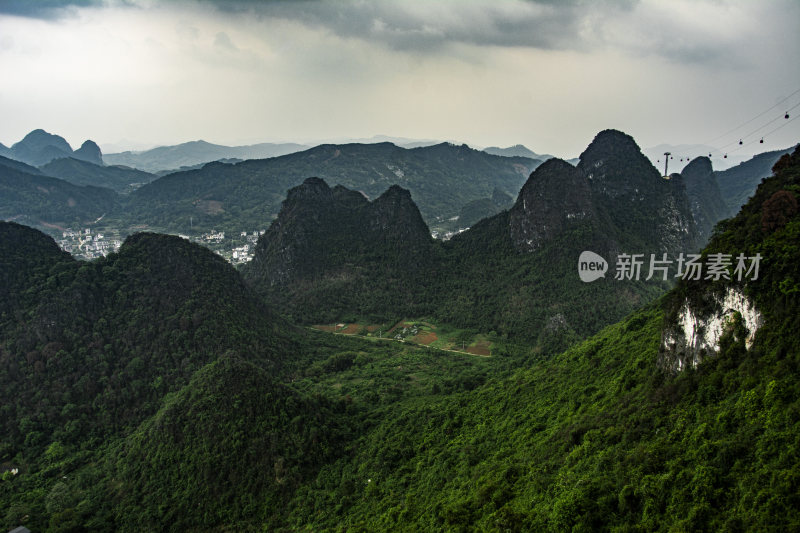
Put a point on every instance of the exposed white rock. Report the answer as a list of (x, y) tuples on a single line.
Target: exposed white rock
[(696, 336)]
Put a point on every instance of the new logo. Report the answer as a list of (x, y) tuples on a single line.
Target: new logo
[(591, 266)]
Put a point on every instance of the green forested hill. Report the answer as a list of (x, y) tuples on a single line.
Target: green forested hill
[(202, 411), (603, 437), (47, 202), (738, 183), (90, 348), (171, 158), (118, 178), (514, 273), (441, 179)]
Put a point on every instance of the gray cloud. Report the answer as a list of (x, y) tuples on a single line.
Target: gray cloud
[(45, 9), (428, 26), (580, 25), (418, 26)]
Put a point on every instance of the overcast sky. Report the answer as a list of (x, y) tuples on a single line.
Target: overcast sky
[(547, 74)]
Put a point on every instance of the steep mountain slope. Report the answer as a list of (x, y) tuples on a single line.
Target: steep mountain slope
[(738, 183), (441, 179), (477, 210), (514, 273), (19, 165), (88, 351), (40, 147), (101, 333), (89, 152), (117, 178), (705, 198), (606, 436), (233, 420), (47, 202), (332, 252), (196, 153)]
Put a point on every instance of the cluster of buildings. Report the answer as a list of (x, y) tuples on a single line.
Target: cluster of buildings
[(87, 245), (447, 235), (238, 249)]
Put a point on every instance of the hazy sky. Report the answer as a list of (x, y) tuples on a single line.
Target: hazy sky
[(545, 73)]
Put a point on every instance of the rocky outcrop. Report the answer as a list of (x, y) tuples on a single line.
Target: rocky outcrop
[(556, 196), (319, 229), (615, 190), (696, 333), (705, 199), (89, 151), (40, 147)]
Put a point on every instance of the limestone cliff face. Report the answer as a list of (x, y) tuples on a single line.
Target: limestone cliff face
[(394, 215), (320, 230), (695, 333), (615, 190), (555, 197), (705, 199)]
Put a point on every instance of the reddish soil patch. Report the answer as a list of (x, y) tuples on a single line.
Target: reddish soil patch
[(426, 338), (481, 348), (351, 329), (373, 329)]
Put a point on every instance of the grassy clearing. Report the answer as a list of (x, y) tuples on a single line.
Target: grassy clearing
[(421, 332)]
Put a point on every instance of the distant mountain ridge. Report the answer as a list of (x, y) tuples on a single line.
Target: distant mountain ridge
[(441, 178), (118, 178), (150, 390), (194, 153), (737, 184), (613, 202), (30, 197), (517, 150), (40, 147)]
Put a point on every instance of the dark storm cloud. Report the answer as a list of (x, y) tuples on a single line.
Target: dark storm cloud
[(427, 26), (578, 25), (46, 9)]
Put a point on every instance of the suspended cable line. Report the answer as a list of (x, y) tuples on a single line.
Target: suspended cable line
[(787, 116), (779, 117), (752, 119), (754, 141)]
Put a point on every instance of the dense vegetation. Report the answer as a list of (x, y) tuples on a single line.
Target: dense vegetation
[(441, 179), (477, 210), (738, 183), (330, 256), (118, 178), (151, 391), (43, 201)]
